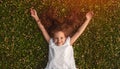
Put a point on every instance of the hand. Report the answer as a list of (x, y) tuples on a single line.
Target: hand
[(34, 13), (89, 15)]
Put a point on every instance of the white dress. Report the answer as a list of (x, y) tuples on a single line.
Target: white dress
[(61, 57)]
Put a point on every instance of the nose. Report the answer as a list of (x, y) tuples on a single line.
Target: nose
[(59, 39)]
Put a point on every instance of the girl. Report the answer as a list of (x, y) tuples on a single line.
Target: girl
[(61, 54)]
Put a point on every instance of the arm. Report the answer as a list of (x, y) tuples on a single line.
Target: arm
[(82, 28), (44, 32)]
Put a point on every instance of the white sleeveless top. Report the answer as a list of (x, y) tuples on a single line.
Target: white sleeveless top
[(61, 57)]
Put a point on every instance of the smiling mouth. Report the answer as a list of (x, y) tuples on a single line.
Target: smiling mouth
[(59, 43)]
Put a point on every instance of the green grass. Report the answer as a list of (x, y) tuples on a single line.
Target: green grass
[(22, 45)]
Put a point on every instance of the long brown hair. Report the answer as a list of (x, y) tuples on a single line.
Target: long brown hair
[(68, 23)]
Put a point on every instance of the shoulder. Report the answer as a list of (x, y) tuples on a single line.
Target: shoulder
[(51, 42), (68, 40)]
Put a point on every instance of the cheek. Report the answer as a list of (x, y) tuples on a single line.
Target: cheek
[(63, 40)]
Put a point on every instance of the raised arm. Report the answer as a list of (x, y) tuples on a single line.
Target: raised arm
[(44, 32), (82, 28)]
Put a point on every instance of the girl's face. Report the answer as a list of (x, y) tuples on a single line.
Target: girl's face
[(59, 38)]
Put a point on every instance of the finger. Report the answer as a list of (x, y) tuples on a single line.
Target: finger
[(31, 10), (92, 12)]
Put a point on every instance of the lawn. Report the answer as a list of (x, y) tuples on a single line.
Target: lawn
[(22, 45)]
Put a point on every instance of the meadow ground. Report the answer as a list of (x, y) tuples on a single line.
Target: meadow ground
[(22, 45)]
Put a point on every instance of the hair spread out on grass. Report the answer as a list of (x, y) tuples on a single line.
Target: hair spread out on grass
[(69, 22)]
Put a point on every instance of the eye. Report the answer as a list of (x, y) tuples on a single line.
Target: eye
[(56, 38), (61, 37)]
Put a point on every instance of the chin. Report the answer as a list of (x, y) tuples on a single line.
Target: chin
[(59, 44)]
